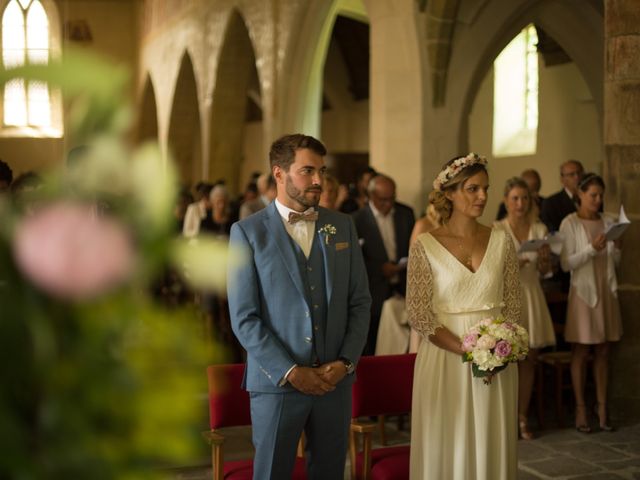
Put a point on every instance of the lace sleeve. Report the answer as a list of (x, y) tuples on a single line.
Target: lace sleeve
[(420, 291), (512, 293)]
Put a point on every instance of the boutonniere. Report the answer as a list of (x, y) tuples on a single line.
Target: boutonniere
[(327, 230)]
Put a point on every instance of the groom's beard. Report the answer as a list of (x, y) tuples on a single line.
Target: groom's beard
[(309, 197)]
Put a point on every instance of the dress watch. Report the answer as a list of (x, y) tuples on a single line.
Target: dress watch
[(348, 364)]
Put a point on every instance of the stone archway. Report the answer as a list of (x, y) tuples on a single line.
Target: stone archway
[(184, 137), (483, 29), (148, 119), (301, 91), (576, 26), (563, 121), (236, 94)]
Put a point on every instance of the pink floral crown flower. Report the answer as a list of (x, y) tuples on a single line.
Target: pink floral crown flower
[(456, 167)]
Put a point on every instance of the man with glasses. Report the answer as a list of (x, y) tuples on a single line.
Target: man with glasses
[(384, 228), (561, 204)]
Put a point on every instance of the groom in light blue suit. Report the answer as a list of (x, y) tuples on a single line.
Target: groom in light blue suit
[(300, 307)]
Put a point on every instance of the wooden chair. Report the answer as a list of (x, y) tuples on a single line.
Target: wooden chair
[(229, 407), (559, 362), (383, 386)]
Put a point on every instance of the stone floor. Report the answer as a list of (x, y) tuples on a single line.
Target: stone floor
[(559, 454)]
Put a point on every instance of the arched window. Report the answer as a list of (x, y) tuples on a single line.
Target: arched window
[(26, 38), (515, 96)]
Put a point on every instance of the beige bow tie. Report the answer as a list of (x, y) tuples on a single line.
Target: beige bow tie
[(306, 216)]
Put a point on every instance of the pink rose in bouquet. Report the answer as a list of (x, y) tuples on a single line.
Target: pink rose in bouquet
[(469, 341), (492, 344), (503, 349)]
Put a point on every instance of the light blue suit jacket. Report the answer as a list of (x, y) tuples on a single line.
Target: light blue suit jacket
[(269, 311)]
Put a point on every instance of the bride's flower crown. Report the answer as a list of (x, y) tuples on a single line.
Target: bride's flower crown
[(456, 167)]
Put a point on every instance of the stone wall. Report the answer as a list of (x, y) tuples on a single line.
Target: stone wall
[(622, 142)]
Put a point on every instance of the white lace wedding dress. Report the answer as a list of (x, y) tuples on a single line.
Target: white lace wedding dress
[(461, 429)]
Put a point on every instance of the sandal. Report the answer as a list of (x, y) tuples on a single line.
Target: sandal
[(525, 433), (600, 409), (581, 419)]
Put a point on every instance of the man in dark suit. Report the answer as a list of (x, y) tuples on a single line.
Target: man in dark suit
[(555, 208), (300, 307), (384, 228), (561, 204)]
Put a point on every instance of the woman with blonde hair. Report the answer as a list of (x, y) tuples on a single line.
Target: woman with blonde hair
[(459, 274), (521, 224)]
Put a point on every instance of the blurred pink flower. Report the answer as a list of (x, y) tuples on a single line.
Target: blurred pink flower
[(70, 252), (503, 349), (469, 341)]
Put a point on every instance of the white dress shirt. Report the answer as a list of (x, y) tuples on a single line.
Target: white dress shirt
[(387, 229), (302, 232), (196, 211)]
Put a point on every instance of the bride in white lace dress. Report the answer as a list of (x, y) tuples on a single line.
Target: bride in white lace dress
[(459, 274)]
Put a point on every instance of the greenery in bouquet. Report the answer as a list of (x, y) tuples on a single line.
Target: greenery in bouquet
[(492, 344), (98, 380)]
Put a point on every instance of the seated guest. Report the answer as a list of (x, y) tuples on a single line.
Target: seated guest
[(384, 227), (522, 224)]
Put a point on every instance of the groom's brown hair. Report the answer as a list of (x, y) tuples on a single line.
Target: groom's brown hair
[(283, 150)]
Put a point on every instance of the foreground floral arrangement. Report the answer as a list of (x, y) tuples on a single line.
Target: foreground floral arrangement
[(492, 344), (98, 379)]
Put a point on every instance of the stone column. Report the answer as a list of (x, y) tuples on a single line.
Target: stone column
[(396, 129), (622, 176)]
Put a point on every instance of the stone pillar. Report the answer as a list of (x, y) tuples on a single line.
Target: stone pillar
[(396, 130), (622, 176)]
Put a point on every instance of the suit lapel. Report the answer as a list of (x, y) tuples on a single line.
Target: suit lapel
[(274, 225), (328, 253)]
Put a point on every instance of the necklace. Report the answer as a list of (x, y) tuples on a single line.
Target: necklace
[(467, 256)]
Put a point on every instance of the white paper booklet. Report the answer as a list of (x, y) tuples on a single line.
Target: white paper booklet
[(554, 241), (616, 230)]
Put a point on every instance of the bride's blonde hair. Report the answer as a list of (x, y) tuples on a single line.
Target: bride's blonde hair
[(442, 205)]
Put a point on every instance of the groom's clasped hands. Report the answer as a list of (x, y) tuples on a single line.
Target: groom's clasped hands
[(317, 380)]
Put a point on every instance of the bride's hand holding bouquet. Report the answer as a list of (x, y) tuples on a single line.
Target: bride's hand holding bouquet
[(492, 344)]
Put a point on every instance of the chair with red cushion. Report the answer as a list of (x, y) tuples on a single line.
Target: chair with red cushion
[(229, 407), (383, 386)]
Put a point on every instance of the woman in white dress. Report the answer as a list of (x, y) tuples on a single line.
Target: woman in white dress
[(521, 224), (459, 274)]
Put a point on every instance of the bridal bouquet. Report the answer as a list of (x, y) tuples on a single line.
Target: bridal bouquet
[(493, 343)]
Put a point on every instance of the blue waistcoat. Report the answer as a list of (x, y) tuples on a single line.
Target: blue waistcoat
[(313, 277)]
